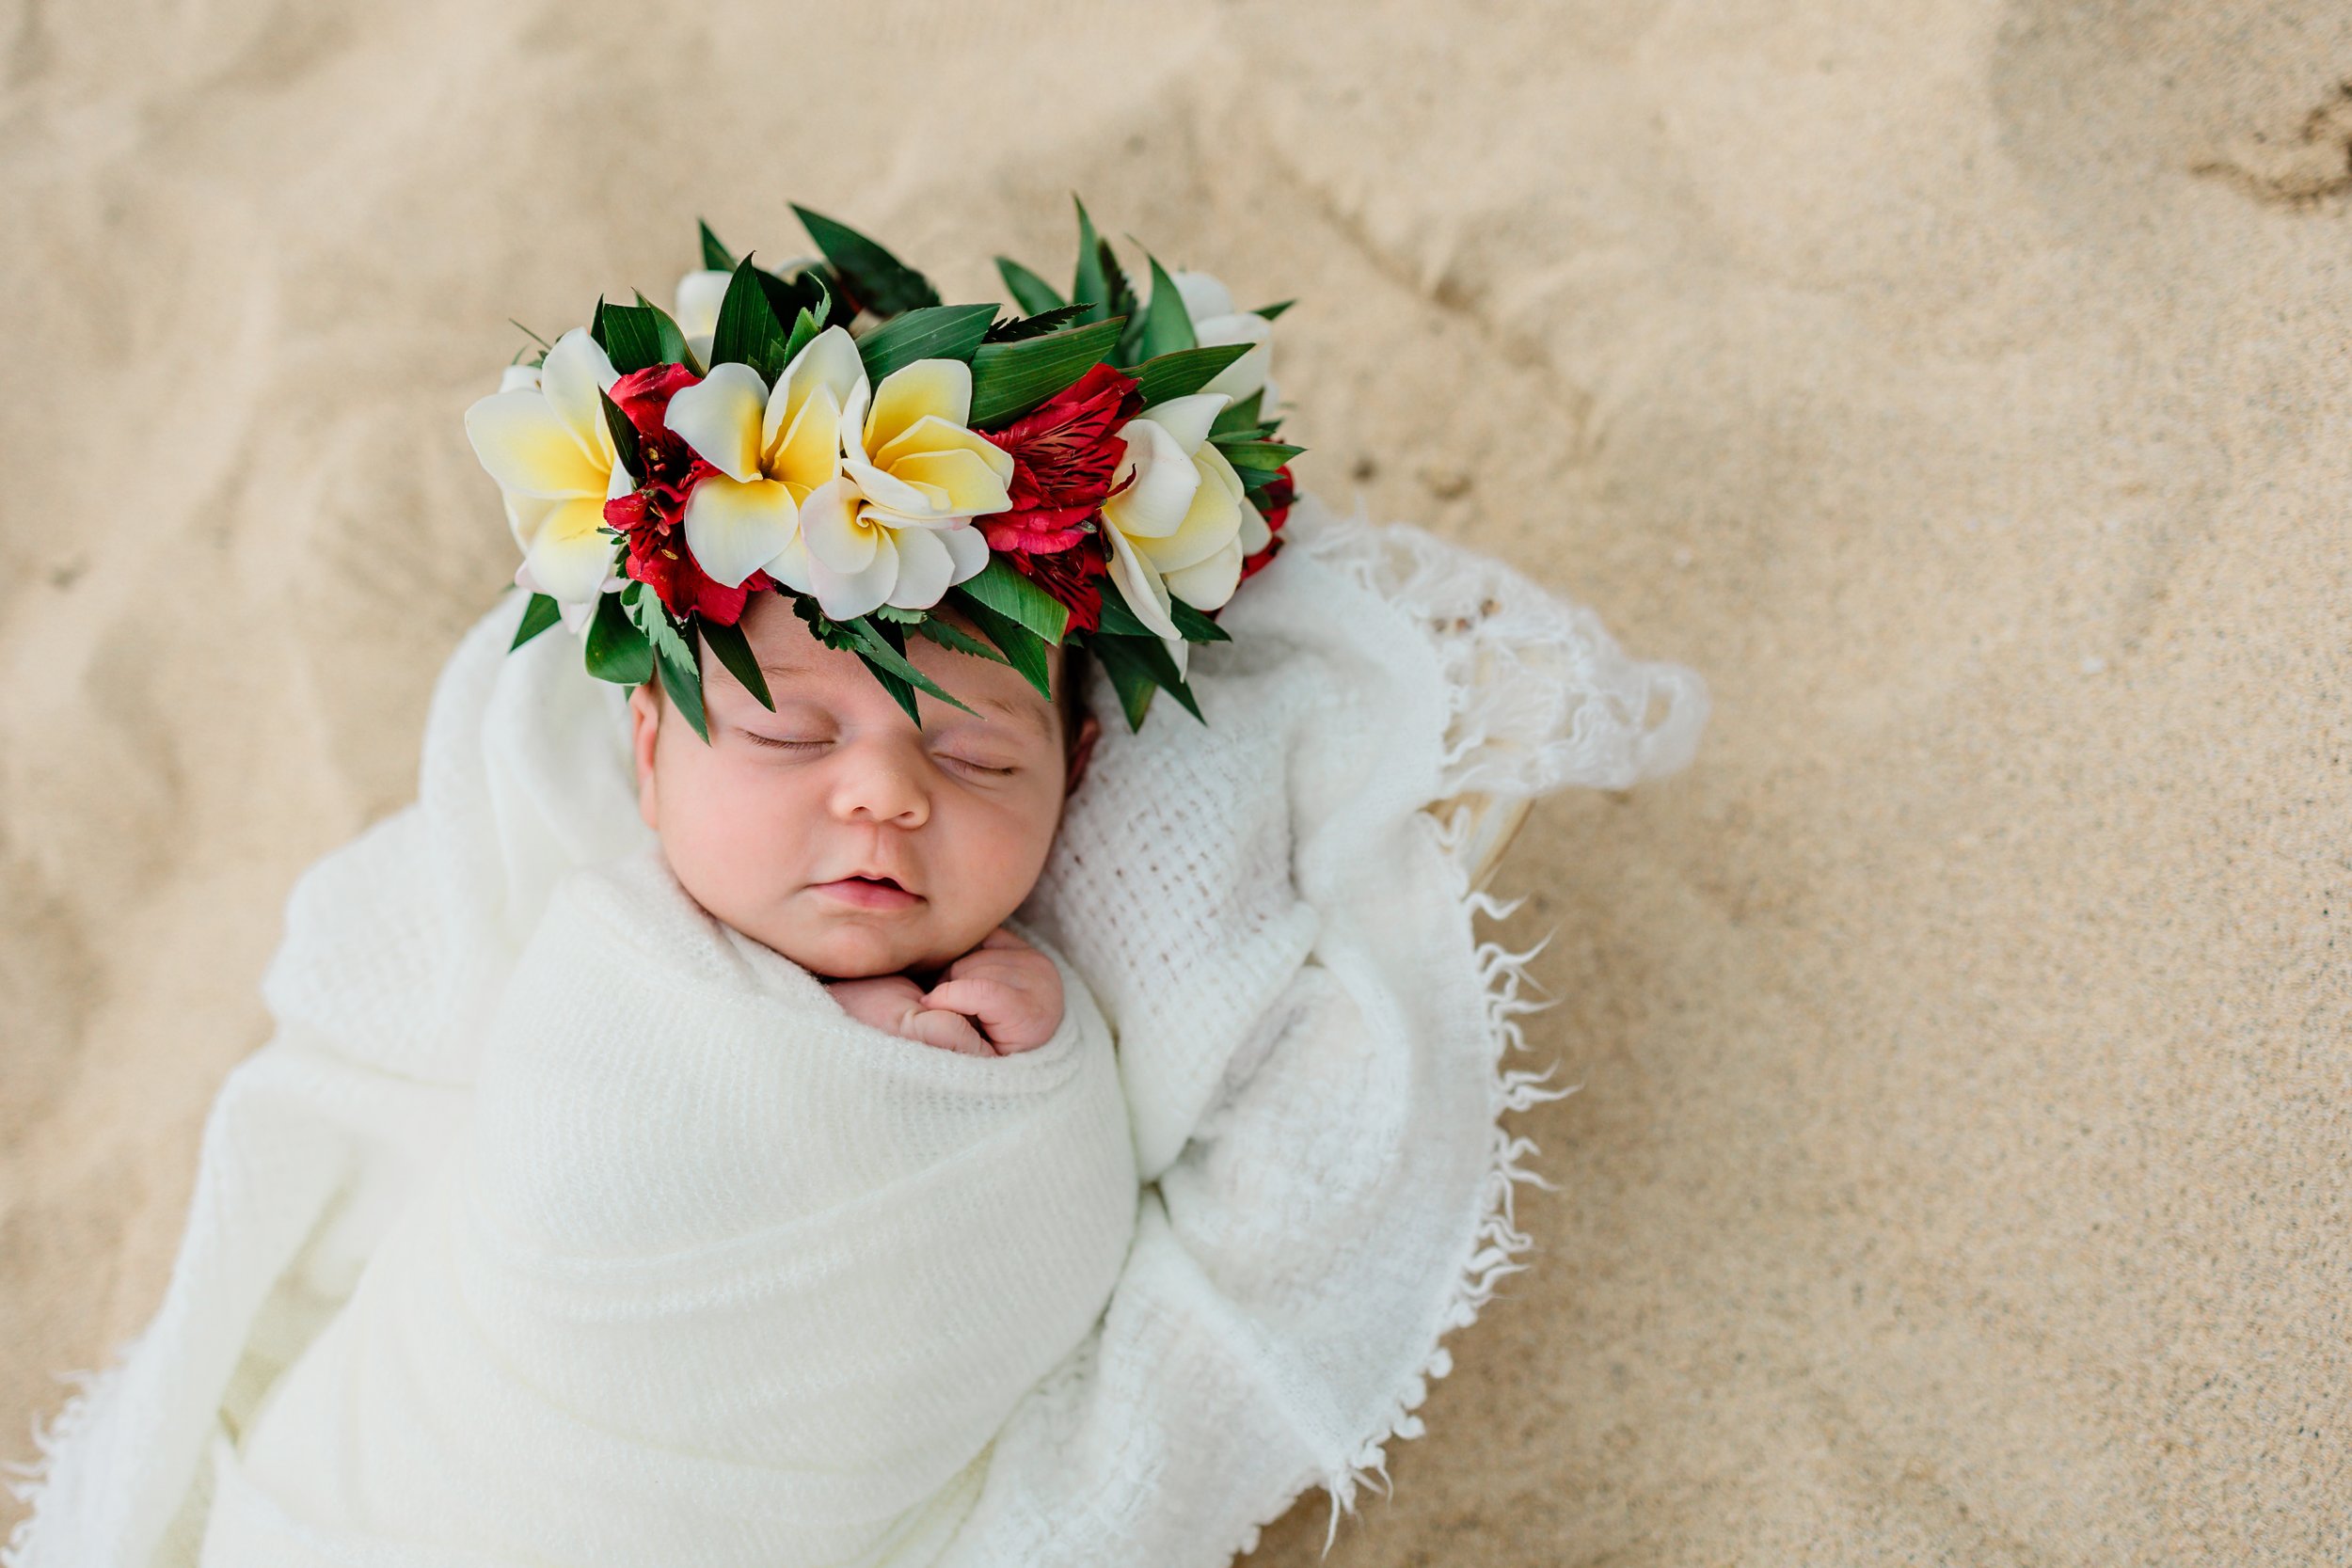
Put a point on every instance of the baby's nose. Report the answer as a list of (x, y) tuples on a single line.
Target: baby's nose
[(875, 783)]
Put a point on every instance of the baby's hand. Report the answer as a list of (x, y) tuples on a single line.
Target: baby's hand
[(894, 1004), (1012, 990)]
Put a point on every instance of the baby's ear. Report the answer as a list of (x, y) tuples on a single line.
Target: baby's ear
[(1089, 731), (645, 730)]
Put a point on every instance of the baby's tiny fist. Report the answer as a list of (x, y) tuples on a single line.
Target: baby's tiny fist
[(1012, 990), (894, 1005)]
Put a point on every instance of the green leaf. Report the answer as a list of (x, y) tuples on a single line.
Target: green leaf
[(1238, 416), (1133, 687), (1122, 302), (948, 636), (646, 609), (538, 615), (1009, 379), (1149, 657), (673, 336), (617, 651), (1130, 677), (804, 327), (1195, 623), (832, 633), (881, 282), (735, 651), (1024, 649), (630, 336), (1270, 311), (1030, 291), (623, 433), (900, 692), (1167, 327), (878, 650), (716, 256), (1008, 593), (933, 332), (749, 331), (1255, 454), (673, 654), (684, 685), (1186, 371), (1090, 287), (1120, 621), (841, 309), (803, 292), (1256, 462), (1016, 328)]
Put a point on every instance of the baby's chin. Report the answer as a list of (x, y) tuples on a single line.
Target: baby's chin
[(853, 948)]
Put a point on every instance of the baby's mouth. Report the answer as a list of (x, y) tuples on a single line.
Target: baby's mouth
[(869, 892)]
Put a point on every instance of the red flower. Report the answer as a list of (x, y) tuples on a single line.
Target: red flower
[(1064, 453), (1279, 496), (652, 517), (644, 396), (1072, 576)]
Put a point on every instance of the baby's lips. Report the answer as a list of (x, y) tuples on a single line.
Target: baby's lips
[(870, 890), (897, 881)]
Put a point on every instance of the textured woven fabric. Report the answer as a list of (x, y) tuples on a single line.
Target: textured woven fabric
[(714, 1275), (1311, 1050)]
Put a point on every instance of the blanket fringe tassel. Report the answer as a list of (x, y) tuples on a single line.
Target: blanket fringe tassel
[(29, 1481), (1535, 699), (1495, 1253)]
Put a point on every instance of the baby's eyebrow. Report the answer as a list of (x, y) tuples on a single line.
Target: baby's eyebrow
[(1027, 712)]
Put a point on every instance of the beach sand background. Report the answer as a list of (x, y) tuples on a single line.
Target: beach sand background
[(1959, 1173)]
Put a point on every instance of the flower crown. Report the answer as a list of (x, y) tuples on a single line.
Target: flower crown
[(829, 431)]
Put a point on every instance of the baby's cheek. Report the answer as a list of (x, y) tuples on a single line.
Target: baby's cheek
[(997, 855)]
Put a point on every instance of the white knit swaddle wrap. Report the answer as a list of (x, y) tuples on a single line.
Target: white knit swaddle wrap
[(716, 1274), (1312, 1043)]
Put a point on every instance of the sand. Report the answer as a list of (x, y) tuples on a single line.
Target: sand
[(1959, 1171)]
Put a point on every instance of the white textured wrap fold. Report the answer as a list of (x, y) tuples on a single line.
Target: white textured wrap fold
[(1310, 1049), (714, 1275)]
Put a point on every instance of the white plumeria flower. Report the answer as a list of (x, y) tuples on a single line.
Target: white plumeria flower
[(895, 527), (1216, 322), (1181, 525), (699, 296), (772, 448), (549, 449)]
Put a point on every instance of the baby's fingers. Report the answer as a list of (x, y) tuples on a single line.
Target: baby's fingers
[(979, 996), (1015, 1017), (949, 1031)]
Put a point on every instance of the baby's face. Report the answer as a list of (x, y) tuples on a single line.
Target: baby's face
[(791, 826)]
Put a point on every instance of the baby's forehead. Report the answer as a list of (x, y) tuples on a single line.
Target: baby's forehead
[(805, 670)]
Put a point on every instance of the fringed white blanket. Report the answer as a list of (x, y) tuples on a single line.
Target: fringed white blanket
[(1310, 1044)]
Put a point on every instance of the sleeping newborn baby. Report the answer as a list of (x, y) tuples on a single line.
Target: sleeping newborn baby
[(838, 833), (792, 1165)]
